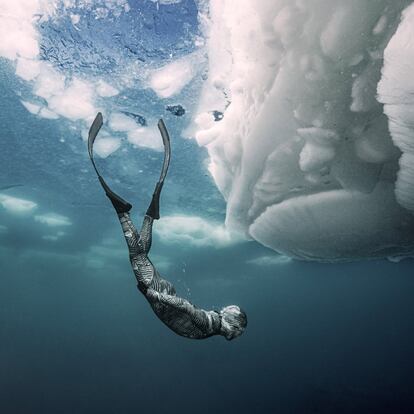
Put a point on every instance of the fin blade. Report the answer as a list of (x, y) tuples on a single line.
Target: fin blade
[(93, 132), (167, 149)]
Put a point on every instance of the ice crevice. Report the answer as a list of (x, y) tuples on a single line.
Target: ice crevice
[(315, 151)]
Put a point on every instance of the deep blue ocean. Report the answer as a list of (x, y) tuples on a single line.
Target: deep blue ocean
[(77, 337)]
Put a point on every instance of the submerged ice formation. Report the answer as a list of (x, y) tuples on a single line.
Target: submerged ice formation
[(396, 92), (303, 153), (194, 231), (53, 220), (16, 205)]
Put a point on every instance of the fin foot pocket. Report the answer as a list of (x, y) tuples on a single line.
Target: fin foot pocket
[(120, 205), (154, 208)]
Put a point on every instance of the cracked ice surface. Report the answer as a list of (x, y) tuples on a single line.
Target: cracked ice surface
[(303, 154)]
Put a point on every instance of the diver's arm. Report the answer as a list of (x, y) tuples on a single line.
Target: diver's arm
[(180, 304), (183, 317), (173, 301)]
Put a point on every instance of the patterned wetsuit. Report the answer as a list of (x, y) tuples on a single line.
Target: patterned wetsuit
[(178, 314)]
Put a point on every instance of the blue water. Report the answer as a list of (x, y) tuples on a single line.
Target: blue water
[(76, 339)]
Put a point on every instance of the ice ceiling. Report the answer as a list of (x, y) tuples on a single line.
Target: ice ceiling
[(306, 107)]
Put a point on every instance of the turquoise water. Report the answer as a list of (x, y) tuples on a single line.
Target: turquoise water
[(75, 334)]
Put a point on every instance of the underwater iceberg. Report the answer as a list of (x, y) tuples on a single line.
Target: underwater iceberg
[(314, 152)]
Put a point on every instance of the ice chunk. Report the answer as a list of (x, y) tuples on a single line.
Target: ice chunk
[(270, 260), (50, 237), (49, 82), (106, 90), (74, 102), (106, 146), (53, 237), (75, 18), (170, 79), (17, 33), (27, 69), (148, 137), (16, 205), (380, 26), (194, 231), (314, 157), (319, 149), (121, 122), (53, 220)]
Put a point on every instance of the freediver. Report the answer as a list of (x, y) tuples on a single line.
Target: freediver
[(177, 313)]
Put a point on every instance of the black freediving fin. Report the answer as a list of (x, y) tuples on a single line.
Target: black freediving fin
[(154, 208), (120, 205), (93, 133), (167, 149)]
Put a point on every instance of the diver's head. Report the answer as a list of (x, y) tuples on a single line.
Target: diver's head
[(233, 322)]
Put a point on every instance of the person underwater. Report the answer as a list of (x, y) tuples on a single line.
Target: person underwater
[(177, 313)]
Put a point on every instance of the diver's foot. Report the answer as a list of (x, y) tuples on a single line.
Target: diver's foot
[(120, 205)]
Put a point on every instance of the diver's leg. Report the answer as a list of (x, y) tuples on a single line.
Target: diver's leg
[(138, 247), (145, 234), (148, 275), (154, 207), (138, 243), (120, 205), (130, 233)]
